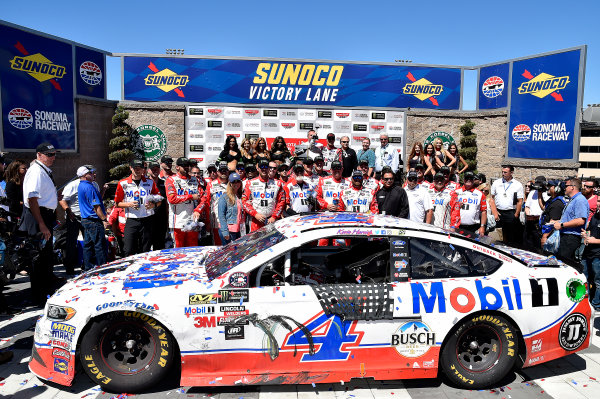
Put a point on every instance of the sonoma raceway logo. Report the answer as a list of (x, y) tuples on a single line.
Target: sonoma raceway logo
[(44, 120), (90, 73), (493, 87), (541, 132)]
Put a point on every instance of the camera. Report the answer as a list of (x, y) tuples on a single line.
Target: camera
[(540, 186)]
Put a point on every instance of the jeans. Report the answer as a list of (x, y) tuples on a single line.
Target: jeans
[(232, 236), (591, 269), (94, 243)]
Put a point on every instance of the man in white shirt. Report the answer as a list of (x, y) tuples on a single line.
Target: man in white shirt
[(533, 211), (386, 155), (419, 201), (39, 216), (506, 200)]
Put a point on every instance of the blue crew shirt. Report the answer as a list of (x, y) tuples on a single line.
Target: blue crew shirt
[(89, 196), (578, 207)]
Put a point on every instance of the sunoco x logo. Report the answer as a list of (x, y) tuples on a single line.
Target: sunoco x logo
[(166, 80), (422, 89), (543, 84), (37, 66)]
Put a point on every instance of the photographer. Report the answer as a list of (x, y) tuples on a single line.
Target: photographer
[(310, 148), (533, 211), (551, 208)]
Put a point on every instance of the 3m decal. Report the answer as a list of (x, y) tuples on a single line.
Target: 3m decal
[(205, 321), (544, 292), (573, 332), (413, 339)]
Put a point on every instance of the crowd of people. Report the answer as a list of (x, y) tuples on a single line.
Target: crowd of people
[(251, 185)]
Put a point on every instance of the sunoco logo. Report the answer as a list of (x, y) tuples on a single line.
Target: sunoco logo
[(166, 80), (413, 339), (20, 118), (422, 89), (521, 132), (90, 73), (37, 66), (492, 87), (543, 85)]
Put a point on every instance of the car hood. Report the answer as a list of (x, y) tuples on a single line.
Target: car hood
[(530, 258), (149, 270)]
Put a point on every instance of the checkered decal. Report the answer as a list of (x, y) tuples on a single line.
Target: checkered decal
[(206, 127), (356, 302)]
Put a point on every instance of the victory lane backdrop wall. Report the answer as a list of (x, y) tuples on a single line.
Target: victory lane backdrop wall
[(207, 126), (37, 77), (543, 110), (210, 80)]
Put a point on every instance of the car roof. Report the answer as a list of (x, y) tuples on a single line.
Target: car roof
[(293, 225)]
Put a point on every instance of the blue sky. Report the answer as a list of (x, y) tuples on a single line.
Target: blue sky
[(433, 32)]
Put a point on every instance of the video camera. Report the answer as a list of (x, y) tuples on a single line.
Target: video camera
[(540, 186)]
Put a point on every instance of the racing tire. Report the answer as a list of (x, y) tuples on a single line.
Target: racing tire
[(480, 352), (127, 352)]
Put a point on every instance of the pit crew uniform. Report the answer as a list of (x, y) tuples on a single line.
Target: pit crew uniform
[(210, 206), (358, 200), (472, 206), (446, 208), (329, 190), (298, 196), (424, 183), (139, 221), (368, 182), (180, 190), (265, 197)]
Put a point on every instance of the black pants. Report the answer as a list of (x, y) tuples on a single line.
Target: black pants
[(71, 253), (533, 236), (138, 235), (468, 230), (568, 245), (512, 230), (159, 229)]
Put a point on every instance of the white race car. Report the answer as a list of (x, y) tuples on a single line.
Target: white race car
[(315, 298)]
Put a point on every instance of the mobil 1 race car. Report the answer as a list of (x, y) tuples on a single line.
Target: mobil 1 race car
[(312, 299)]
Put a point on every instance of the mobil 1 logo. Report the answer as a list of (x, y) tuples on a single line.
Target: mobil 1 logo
[(573, 331)]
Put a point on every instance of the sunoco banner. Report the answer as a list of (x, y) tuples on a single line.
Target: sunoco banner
[(36, 75), (290, 82), (543, 111)]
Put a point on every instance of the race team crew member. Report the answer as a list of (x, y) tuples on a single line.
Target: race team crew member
[(319, 167), (391, 199), (420, 205), (132, 194), (446, 208), (421, 182), (357, 198), (368, 182), (210, 202), (330, 187), (298, 193), (473, 207), (331, 153), (309, 177), (263, 198), (452, 185), (183, 193)]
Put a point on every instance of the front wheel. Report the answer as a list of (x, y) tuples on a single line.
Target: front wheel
[(480, 352), (127, 352)]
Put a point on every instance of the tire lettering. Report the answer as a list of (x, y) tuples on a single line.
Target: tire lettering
[(162, 362), (96, 371), (459, 375)]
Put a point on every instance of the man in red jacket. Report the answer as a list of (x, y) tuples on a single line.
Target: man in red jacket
[(263, 197)]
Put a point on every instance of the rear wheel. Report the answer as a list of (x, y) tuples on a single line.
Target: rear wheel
[(480, 352), (127, 352)]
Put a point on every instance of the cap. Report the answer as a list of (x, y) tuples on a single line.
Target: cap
[(234, 177), (263, 162), (193, 162), (412, 175), (223, 165), (136, 163), (540, 178), (439, 176), (357, 173), (284, 166), (84, 170), (336, 165), (166, 159), (445, 170), (364, 160), (182, 161), (319, 158), (298, 166), (153, 165), (211, 165), (477, 176), (330, 135), (553, 182), (419, 166), (240, 164), (45, 148), (469, 176)]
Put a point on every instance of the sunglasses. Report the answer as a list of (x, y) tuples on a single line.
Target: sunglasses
[(590, 187), (263, 167), (50, 154), (272, 167), (357, 178), (240, 168), (344, 142), (409, 179)]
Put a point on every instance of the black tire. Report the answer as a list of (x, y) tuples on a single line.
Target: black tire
[(480, 352), (127, 352)]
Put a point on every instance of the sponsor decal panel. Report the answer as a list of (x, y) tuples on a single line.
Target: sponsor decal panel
[(61, 365), (573, 332), (234, 332), (202, 299), (413, 339)]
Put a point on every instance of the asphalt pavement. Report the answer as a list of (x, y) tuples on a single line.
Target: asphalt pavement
[(574, 376)]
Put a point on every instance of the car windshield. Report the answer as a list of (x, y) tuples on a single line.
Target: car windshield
[(239, 250)]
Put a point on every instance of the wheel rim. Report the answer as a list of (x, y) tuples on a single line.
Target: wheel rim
[(127, 348), (478, 348)]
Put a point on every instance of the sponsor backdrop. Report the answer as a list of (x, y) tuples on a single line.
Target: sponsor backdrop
[(543, 110), (493, 86), (206, 127), (290, 82), (37, 79)]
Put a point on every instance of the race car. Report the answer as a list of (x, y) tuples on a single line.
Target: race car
[(315, 298)]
